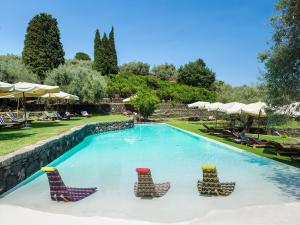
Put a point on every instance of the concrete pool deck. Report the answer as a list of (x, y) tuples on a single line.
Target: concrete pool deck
[(278, 214)]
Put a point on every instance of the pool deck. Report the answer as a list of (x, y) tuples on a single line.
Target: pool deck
[(257, 215)]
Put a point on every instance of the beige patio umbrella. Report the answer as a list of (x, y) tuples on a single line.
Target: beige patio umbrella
[(199, 105), (24, 89), (5, 87)]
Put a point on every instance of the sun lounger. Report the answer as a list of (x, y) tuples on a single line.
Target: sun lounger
[(49, 116), (14, 119), (59, 191), (4, 122), (85, 114), (60, 117), (145, 186), (211, 186), (279, 149)]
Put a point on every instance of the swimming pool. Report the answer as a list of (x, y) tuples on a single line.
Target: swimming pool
[(108, 161)]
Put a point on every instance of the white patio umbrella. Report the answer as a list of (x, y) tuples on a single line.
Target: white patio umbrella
[(61, 95), (235, 108), (5, 87), (214, 106), (24, 89), (129, 99), (256, 109), (292, 109), (199, 105)]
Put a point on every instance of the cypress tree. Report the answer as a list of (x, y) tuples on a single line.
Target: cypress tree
[(42, 50), (113, 53), (98, 58), (105, 50)]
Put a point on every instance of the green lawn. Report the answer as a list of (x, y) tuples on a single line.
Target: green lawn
[(13, 139), (196, 128)]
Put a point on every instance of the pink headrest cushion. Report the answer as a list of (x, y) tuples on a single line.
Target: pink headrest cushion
[(142, 170)]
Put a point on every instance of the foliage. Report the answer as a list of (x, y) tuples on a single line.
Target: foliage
[(105, 55), (282, 61), (196, 74), (98, 58), (43, 50), (165, 71), (126, 85), (244, 94), (12, 70), (113, 53), (82, 56), (145, 103), (78, 78), (138, 68)]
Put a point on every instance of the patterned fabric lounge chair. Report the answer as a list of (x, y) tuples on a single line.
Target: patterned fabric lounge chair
[(85, 114), (59, 191), (145, 186), (4, 123), (211, 186)]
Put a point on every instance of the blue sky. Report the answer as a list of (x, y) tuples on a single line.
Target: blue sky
[(226, 34)]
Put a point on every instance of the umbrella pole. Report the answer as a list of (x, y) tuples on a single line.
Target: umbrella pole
[(258, 124), (18, 105), (24, 105)]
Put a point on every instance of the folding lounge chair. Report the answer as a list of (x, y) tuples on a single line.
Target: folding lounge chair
[(145, 186), (85, 114), (9, 123), (59, 191), (14, 119), (60, 117), (211, 186), (49, 116)]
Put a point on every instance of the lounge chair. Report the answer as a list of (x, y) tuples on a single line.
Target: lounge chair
[(14, 119), (211, 186), (60, 117), (280, 149), (4, 123), (49, 116), (85, 114), (59, 191), (145, 186)]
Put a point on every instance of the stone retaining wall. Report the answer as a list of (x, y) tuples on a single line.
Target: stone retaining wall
[(19, 165)]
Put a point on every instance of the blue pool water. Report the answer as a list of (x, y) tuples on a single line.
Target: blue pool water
[(108, 161)]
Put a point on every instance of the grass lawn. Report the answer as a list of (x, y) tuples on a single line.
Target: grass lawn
[(196, 128), (13, 139)]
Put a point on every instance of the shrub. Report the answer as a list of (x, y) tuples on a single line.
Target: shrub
[(79, 79), (165, 71), (138, 68), (196, 74), (12, 70), (126, 85), (145, 103)]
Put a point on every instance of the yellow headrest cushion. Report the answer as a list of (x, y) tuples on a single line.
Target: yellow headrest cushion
[(209, 167), (48, 169)]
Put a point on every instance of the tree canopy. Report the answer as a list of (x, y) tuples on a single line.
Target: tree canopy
[(138, 68), (282, 61), (145, 103), (77, 77), (165, 71), (42, 50), (82, 56), (12, 70), (196, 74)]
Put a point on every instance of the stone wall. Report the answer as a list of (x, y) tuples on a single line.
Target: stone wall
[(19, 165), (179, 110)]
